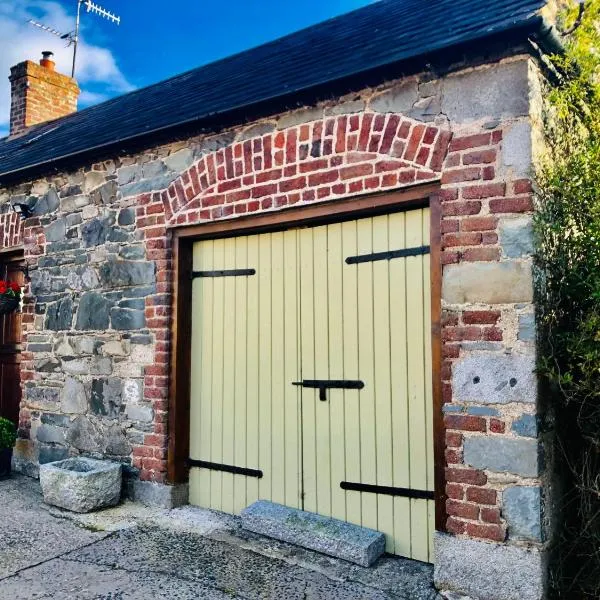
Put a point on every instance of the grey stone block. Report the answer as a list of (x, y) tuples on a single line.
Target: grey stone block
[(60, 315), (489, 571), (81, 484), (180, 160), (47, 204), (516, 237), (495, 379), (73, 399), (95, 232), (527, 327), (106, 397), (126, 319), (56, 231), (526, 426), (494, 91), (522, 509), (140, 413), (482, 411), (127, 216), (503, 455), (84, 435), (147, 185), (50, 434), (155, 494), (126, 273), (488, 283), (329, 536), (49, 454), (132, 252), (93, 312), (517, 150), (399, 99)]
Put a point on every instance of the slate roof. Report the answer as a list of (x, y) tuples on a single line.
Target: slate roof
[(388, 32)]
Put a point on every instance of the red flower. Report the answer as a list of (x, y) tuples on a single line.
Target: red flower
[(14, 286), (3, 287)]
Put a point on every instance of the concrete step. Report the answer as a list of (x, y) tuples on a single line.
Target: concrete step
[(329, 536)]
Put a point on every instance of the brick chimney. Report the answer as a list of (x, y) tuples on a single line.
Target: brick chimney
[(39, 94)]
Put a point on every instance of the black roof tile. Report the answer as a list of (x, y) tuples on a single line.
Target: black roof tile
[(383, 33)]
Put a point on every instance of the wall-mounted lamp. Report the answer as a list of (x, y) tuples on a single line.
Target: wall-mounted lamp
[(23, 210)]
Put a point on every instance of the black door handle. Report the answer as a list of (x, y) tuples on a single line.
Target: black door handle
[(324, 384)]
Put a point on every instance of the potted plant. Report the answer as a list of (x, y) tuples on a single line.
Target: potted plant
[(8, 437), (10, 296)]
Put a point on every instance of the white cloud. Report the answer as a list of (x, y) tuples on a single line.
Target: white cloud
[(19, 41)]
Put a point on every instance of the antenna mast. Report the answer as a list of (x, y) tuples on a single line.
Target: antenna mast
[(73, 37), (91, 7)]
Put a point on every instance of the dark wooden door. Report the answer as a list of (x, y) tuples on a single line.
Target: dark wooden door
[(10, 346)]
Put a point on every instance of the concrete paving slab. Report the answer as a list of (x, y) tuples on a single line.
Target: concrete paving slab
[(29, 534), (61, 579), (132, 552)]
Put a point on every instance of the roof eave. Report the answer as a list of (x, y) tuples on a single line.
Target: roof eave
[(539, 29)]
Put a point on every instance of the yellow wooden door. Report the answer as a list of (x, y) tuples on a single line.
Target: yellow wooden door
[(365, 316), (346, 303), (245, 415)]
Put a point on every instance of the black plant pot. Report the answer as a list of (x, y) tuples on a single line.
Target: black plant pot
[(5, 460)]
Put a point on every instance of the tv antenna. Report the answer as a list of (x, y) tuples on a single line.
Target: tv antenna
[(72, 37)]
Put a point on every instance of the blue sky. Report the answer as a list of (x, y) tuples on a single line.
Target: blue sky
[(156, 39)]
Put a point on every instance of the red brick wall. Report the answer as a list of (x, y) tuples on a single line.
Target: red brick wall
[(474, 196), (11, 230)]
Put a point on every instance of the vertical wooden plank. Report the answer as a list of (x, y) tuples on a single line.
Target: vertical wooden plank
[(218, 284), (253, 370), (349, 300), (240, 371), (399, 388), (278, 384), (265, 367), (416, 384), (336, 350), (368, 434), (228, 399), (382, 380), (292, 395), (321, 371), (309, 397)]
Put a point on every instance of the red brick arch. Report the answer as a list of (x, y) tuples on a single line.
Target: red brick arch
[(323, 160)]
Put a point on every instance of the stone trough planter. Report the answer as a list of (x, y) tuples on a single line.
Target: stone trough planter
[(81, 484)]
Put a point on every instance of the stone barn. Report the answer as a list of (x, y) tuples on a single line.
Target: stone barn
[(301, 274)]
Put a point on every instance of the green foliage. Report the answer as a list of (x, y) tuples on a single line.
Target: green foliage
[(8, 434), (568, 266)]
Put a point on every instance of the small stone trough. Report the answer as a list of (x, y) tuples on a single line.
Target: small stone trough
[(81, 484)]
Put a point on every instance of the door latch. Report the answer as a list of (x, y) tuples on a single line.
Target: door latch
[(324, 384)]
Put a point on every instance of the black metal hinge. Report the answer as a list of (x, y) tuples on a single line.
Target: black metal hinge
[(230, 273), (203, 464), (419, 251), (387, 491)]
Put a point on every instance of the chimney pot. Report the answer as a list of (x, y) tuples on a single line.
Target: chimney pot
[(46, 60)]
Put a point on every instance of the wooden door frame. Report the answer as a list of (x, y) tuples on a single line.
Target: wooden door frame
[(11, 256), (183, 239)]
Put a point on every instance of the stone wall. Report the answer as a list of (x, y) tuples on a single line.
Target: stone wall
[(95, 369)]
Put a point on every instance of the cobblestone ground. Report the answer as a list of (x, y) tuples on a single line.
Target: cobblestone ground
[(133, 552)]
